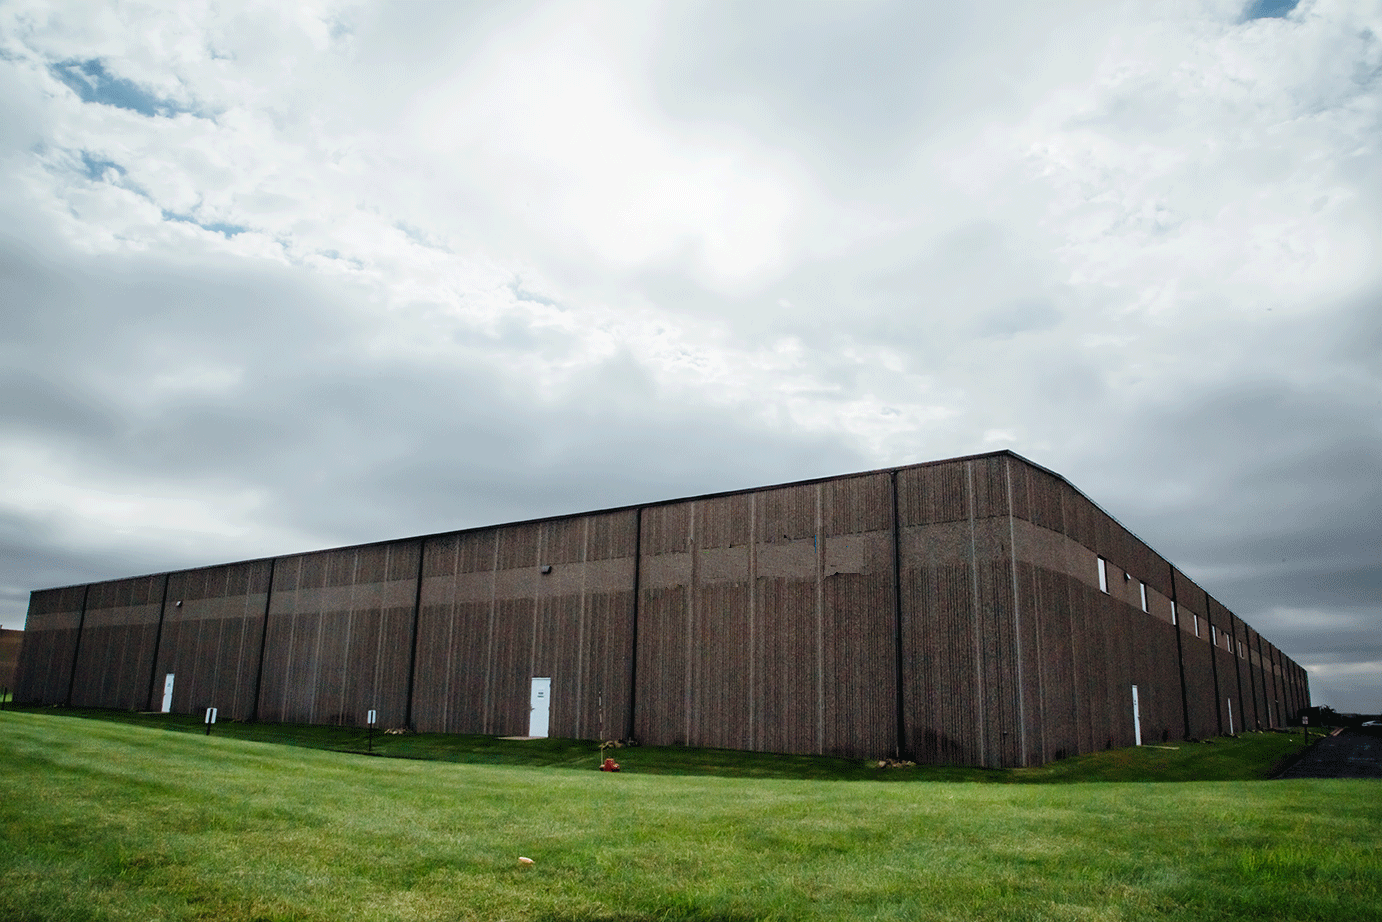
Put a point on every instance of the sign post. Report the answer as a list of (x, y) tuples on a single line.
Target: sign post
[(1305, 728), (370, 721), (210, 719)]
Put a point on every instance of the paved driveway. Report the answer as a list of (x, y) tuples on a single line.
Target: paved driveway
[(1351, 754)]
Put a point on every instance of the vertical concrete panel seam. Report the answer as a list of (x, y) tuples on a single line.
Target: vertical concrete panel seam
[(414, 631), (246, 621), (292, 641), (1234, 622), (978, 698), (537, 610), (581, 659), (196, 666), (77, 645), (1017, 618), (448, 665), (1277, 681), (234, 651), (208, 638), (1214, 667), (349, 640), (1263, 683), (632, 713), (753, 612), (221, 644), (158, 640), (263, 640), (315, 686), (689, 669), (285, 667), (485, 724), (899, 696), (1037, 655), (819, 541), (243, 620), (376, 674), (1180, 660), (1078, 701)]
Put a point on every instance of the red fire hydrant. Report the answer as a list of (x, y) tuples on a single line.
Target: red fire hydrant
[(610, 766)]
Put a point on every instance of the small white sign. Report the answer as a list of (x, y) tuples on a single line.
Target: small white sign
[(211, 715), (370, 720)]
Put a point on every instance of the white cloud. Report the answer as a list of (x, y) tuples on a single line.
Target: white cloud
[(181, 520), (572, 151)]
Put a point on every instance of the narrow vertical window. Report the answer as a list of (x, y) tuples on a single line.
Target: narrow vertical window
[(1144, 595), (1214, 635), (1197, 624), (1174, 618), (1103, 575)]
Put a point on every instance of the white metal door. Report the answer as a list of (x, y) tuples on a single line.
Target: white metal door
[(167, 693), (1136, 718), (540, 702)]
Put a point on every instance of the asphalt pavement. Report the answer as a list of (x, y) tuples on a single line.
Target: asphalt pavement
[(1353, 753)]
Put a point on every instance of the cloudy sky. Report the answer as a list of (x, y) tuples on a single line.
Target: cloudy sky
[(287, 276)]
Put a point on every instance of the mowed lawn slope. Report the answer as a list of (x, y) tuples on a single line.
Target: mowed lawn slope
[(102, 820)]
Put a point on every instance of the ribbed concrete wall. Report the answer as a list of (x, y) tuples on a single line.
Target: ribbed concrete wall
[(951, 612), (44, 674), (340, 635), (10, 642), (948, 715), (1302, 689), (1224, 668), (1090, 645), (1258, 678), (1241, 675), (1197, 656), (1273, 687), (213, 626), (114, 665), (491, 620), (767, 620)]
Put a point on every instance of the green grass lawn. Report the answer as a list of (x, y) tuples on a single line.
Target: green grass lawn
[(113, 820), (1246, 757)]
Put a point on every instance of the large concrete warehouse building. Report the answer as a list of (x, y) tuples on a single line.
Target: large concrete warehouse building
[(979, 611)]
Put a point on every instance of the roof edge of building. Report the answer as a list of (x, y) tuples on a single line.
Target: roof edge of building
[(630, 507)]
